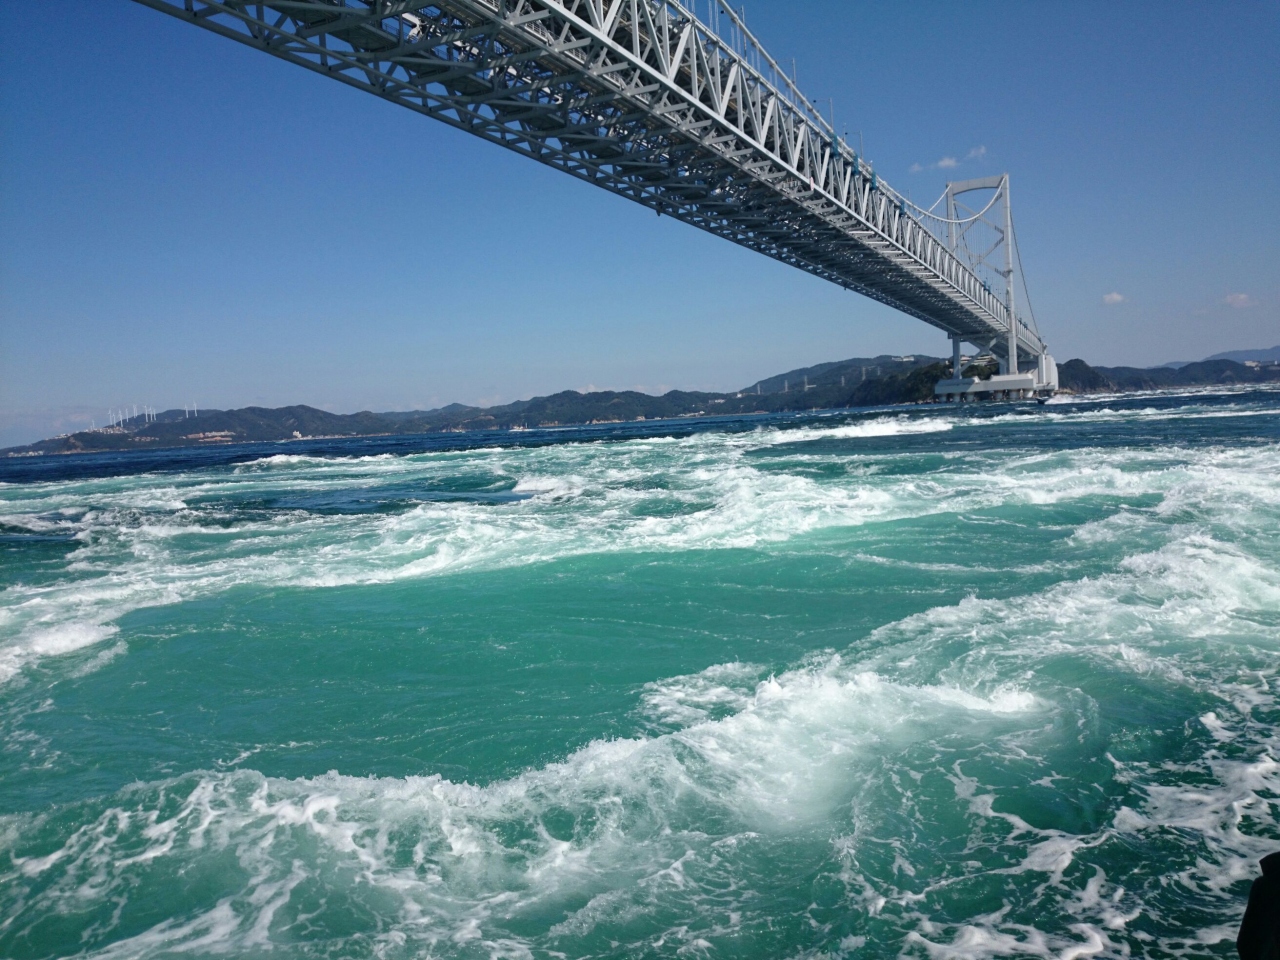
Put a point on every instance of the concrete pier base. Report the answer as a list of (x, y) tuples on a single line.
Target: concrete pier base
[(1019, 386)]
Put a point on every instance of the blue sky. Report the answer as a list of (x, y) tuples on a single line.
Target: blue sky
[(185, 219)]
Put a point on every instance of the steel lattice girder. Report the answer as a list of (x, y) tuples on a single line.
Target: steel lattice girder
[(641, 98)]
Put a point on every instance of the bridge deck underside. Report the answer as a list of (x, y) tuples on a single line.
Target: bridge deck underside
[(600, 101)]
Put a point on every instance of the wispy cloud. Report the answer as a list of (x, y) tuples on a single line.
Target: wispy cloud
[(1239, 300), (1113, 298), (950, 163)]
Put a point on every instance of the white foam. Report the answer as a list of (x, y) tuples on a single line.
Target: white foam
[(53, 641), (1183, 616), (664, 823), (144, 541), (876, 427), (980, 941), (733, 760), (443, 856), (311, 460), (684, 701)]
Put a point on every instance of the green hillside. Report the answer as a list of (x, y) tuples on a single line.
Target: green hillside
[(858, 382)]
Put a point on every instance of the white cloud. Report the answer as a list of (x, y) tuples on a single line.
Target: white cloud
[(1239, 300), (1113, 298), (950, 163)]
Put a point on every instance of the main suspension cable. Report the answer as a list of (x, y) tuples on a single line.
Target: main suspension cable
[(933, 216), (1022, 273)]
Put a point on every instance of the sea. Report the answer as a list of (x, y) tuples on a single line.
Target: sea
[(990, 681)]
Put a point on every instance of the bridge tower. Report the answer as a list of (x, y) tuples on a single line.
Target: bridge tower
[(982, 236)]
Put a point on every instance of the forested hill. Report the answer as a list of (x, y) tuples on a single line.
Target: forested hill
[(848, 383), (1078, 377), (861, 382), (843, 373)]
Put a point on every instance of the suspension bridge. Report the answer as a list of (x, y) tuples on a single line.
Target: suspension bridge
[(685, 112)]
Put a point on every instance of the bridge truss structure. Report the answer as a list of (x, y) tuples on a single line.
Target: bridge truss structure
[(687, 116)]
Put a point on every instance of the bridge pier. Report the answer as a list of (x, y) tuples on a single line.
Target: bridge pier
[(1040, 382)]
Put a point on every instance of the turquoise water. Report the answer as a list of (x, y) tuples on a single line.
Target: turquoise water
[(992, 683)]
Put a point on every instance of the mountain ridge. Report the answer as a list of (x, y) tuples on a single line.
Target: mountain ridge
[(856, 382), (1265, 355)]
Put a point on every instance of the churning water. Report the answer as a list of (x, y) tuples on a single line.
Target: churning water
[(983, 683)]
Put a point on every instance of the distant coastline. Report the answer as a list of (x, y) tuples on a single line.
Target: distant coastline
[(858, 382)]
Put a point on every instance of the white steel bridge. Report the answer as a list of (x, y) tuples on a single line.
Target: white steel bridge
[(688, 116)]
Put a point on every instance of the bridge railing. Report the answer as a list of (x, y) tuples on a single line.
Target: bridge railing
[(732, 30)]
